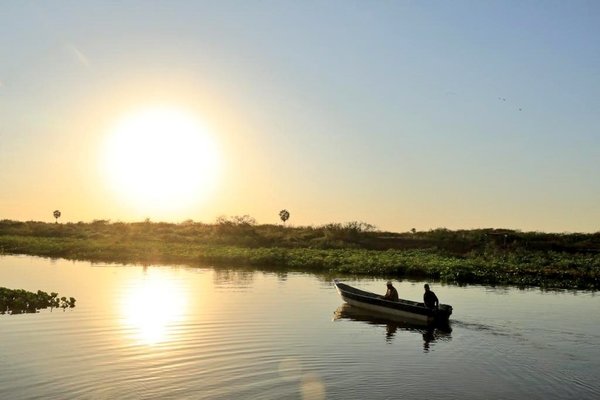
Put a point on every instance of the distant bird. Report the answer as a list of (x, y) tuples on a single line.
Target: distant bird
[(504, 99)]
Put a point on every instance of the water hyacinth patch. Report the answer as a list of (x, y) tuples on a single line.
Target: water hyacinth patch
[(19, 301)]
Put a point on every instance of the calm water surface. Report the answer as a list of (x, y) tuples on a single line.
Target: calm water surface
[(200, 333)]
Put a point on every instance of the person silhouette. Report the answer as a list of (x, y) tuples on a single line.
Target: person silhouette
[(392, 293), (429, 298)]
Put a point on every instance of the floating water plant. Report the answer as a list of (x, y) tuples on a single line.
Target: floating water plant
[(19, 301)]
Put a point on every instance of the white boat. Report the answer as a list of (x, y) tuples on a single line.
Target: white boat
[(407, 309)]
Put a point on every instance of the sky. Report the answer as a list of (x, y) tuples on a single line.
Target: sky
[(401, 114)]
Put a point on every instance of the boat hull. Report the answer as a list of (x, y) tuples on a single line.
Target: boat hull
[(403, 309), (388, 311)]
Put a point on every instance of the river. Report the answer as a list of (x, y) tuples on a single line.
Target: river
[(180, 332)]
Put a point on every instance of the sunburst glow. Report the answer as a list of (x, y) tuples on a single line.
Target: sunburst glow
[(152, 307), (161, 159)]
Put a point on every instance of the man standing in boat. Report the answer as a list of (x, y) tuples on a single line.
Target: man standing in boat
[(429, 298), (392, 293)]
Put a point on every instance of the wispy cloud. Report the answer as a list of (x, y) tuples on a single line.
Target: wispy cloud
[(78, 55)]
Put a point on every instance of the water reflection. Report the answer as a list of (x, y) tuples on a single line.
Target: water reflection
[(271, 340), (228, 278), (430, 334), (151, 306), (313, 387)]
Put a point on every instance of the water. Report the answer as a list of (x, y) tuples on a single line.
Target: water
[(177, 332)]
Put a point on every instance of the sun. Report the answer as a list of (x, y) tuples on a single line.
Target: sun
[(161, 160)]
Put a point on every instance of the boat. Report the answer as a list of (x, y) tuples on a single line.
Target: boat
[(405, 309)]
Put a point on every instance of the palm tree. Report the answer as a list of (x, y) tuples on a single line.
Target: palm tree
[(284, 215), (56, 215)]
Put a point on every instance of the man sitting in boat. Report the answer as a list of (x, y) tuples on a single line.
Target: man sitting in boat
[(429, 298), (392, 293)]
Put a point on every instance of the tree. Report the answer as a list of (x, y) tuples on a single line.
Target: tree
[(244, 220), (284, 215), (56, 215), (236, 220)]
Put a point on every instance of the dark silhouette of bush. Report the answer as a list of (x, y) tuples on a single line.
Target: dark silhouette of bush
[(20, 301)]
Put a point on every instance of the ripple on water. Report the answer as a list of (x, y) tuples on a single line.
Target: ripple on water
[(263, 336)]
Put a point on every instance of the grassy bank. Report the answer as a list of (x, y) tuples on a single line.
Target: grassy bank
[(474, 256)]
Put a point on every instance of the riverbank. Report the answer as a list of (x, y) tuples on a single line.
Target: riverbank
[(482, 256)]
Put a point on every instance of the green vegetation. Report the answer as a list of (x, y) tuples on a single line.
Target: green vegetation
[(21, 301), (489, 256)]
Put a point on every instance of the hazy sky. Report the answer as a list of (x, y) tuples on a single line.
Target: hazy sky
[(402, 114)]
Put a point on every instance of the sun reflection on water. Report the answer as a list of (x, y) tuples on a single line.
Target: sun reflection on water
[(152, 307)]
